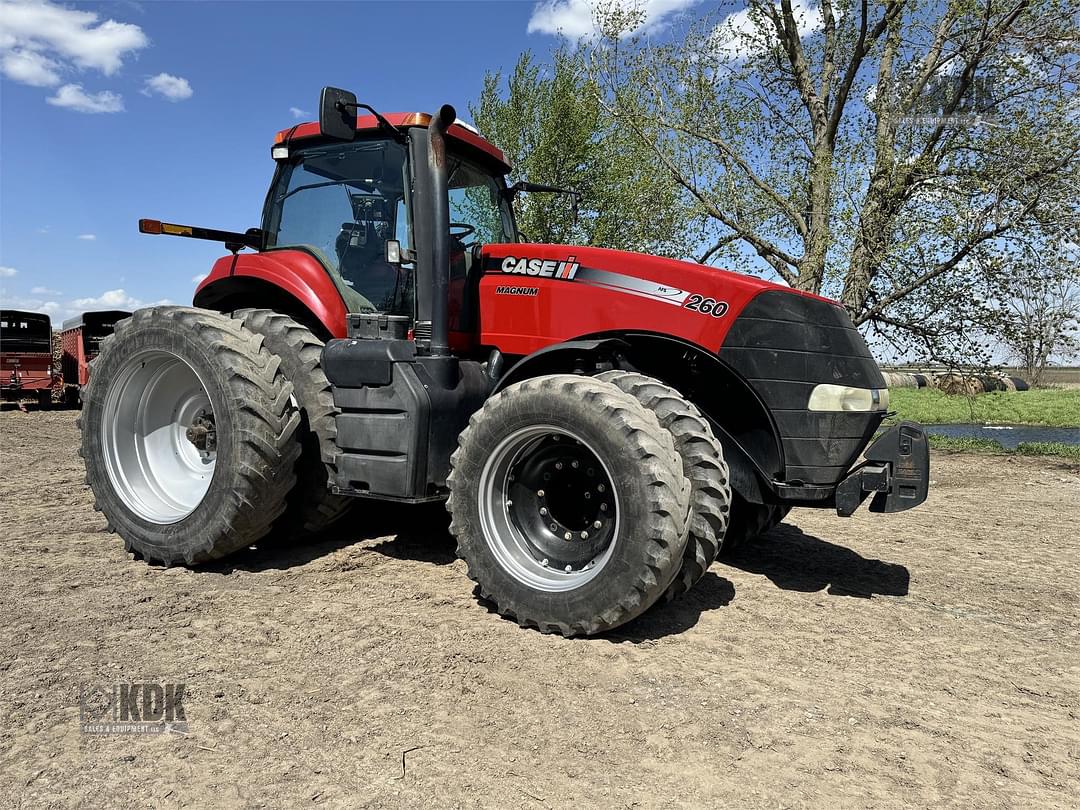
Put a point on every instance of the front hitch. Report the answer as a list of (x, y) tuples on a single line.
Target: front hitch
[(896, 471)]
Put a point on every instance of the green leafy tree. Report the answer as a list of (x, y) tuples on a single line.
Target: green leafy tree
[(889, 154), (549, 121)]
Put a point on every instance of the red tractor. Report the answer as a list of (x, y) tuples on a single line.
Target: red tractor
[(80, 341), (600, 424), (26, 358)]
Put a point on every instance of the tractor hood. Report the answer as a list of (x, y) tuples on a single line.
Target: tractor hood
[(630, 291)]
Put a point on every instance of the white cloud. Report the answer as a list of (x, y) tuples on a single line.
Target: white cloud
[(171, 87), (197, 279), (296, 112), (110, 299), (39, 40), (44, 291), (88, 237), (739, 34), (575, 19), (30, 67), (75, 98), (30, 304), (113, 299), (7, 272)]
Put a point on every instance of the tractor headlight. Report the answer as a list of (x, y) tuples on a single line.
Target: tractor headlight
[(280, 152), (828, 397)]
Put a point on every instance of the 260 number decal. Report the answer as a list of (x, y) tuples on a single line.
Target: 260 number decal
[(706, 306)]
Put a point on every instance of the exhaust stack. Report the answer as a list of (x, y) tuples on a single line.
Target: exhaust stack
[(440, 221)]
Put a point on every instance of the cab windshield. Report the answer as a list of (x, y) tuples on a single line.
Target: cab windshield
[(341, 203)]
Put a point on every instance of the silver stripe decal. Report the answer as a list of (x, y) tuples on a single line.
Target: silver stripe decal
[(633, 285)]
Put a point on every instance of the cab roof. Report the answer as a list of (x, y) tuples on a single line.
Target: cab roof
[(402, 120)]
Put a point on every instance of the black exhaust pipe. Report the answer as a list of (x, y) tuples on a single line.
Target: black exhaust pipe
[(440, 238)]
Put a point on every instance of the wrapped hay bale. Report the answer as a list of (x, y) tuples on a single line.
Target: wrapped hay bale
[(898, 379), (952, 382), (992, 383)]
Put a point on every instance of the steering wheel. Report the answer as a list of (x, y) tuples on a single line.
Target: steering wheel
[(464, 230)]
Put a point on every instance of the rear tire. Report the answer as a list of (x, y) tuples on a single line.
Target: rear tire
[(703, 464), (616, 503), (188, 435), (310, 507)]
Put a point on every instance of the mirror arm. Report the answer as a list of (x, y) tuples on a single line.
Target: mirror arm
[(397, 134)]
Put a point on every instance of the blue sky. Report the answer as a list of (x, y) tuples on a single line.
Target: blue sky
[(113, 111)]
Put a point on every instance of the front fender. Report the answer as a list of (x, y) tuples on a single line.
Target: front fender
[(292, 271), (558, 358)]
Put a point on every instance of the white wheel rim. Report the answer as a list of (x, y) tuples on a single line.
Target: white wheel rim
[(154, 467)]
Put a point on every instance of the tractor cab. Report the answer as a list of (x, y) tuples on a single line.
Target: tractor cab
[(346, 203)]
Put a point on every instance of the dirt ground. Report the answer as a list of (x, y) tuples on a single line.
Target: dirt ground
[(922, 659)]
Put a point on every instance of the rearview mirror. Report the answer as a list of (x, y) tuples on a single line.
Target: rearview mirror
[(337, 114)]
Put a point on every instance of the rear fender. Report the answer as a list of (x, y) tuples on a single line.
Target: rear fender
[(289, 281)]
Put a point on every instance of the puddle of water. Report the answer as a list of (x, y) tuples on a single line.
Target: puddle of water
[(1008, 436)]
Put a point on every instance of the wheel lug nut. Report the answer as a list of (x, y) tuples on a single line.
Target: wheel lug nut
[(554, 527), (597, 524), (584, 535), (603, 507), (558, 465), (574, 464), (588, 495), (543, 510), (568, 536), (600, 488), (568, 569), (590, 471), (509, 503), (544, 562), (539, 493)]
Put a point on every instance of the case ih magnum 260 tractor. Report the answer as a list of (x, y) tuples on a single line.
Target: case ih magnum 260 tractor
[(599, 423)]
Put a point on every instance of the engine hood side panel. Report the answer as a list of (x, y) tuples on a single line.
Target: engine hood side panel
[(533, 295)]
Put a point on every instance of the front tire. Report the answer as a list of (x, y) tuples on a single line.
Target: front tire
[(703, 464), (188, 435), (569, 504), (748, 522)]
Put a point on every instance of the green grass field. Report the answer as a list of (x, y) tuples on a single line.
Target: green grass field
[(1051, 406), (1070, 451)]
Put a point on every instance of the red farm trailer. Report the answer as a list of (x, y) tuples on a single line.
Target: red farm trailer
[(80, 340), (26, 361)]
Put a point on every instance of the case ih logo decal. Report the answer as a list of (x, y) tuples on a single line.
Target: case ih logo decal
[(546, 268), (570, 270)]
